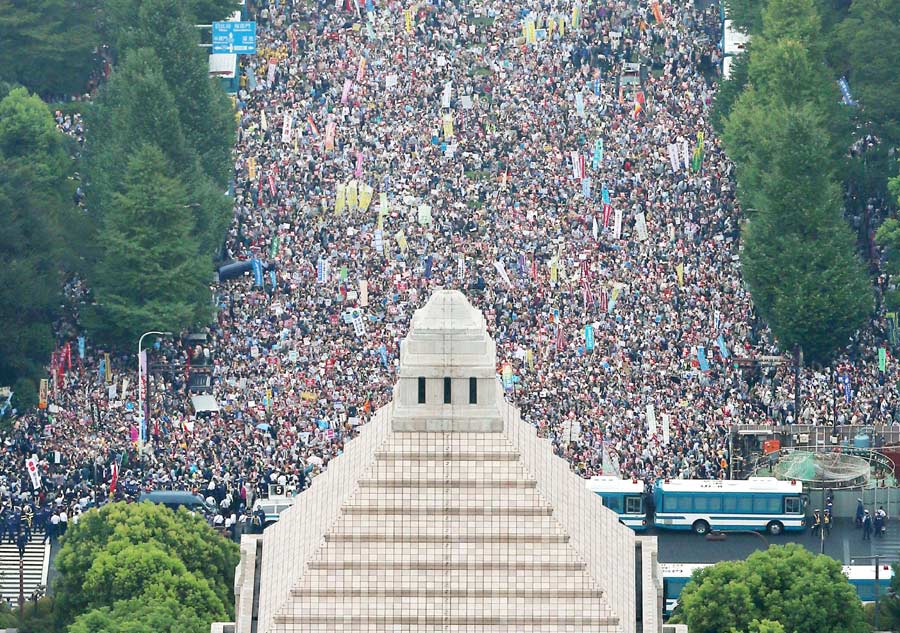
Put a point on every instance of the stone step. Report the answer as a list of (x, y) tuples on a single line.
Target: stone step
[(446, 456), (449, 592), (418, 537), (323, 625), (446, 511), (447, 483), (565, 580), (440, 565)]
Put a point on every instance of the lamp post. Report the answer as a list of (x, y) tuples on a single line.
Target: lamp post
[(142, 389)]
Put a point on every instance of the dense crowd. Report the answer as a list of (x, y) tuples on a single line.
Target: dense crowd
[(506, 149)]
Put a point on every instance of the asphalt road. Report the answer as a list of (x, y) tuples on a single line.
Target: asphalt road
[(845, 544)]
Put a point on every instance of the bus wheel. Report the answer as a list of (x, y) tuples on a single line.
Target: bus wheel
[(775, 528), (700, 527)]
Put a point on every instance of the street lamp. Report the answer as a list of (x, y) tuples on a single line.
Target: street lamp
[(142, 390), (718, 535)]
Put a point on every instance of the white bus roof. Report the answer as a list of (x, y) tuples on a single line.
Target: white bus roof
[(614, 484), (680, 570), (754, 484)]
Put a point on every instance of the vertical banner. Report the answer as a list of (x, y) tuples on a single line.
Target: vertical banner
[(383, 208), (359, 163), (640, 225), (400, 238), (586, 188), (617, 224), (651, 419), (448, 125), (345, 93), (378, 241), (657, 13), (407, 18), (340, 197), (363, 293), (286, 127), (108, 364), (679, 274), (882, 359), (673, 157), (461, 267), (81, 346), (322, 270), (256, 265), (365, 196), (43, 393), (579, 104), (361, 71), (447, 94), (33, 472), (589, 337), (598, 153), (330, 129), (501, 270), (142, 394), (665, 428)]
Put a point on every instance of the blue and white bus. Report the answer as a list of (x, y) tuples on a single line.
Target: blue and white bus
[(758, 503), (676, 575), (625, 497)]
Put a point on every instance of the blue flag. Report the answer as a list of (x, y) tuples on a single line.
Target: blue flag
[(256, 266), (723, 349), (586, 188), (604, 192), (102, 370), (598, 153), (701, 356), (428, 262), (272, 278), (382, 351), (81, 347), (589, 337)]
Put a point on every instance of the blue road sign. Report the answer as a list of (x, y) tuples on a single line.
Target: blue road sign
[(234, 37)]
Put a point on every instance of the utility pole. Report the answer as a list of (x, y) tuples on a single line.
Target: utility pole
[(796, 384)]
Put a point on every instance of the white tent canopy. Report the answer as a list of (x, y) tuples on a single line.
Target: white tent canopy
[(204, 404)]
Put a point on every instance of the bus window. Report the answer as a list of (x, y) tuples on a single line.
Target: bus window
[(730, 504), (715, 504), (634, 505), (745, 505), (613, 503), (673, 503), (701, 503), (760, 505), (773, 505), (792, 505)]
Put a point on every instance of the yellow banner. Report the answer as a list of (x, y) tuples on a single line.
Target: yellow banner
[(44, 391), (407, 15), (679, 272), (251, 168), (448, 125), (529, 358), (352, 199), (309, 396), (365, 197), (554, 271), (108, 369), (400, 237)]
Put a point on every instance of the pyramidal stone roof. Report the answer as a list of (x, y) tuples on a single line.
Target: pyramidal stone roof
[(427, 524)]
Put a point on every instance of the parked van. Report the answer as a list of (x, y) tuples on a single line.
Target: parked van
[(175, 499)]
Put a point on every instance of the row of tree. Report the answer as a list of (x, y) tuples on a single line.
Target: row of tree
[(139, 568), (785, 129), (153, 171)]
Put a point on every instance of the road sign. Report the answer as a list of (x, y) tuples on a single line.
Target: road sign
[(238, 38)]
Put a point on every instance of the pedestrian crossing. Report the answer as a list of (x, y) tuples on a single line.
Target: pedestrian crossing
[(37, 562), (889, 543)]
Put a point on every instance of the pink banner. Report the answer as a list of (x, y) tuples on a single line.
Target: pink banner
[(345, 95), (330, 129), (359, 162)]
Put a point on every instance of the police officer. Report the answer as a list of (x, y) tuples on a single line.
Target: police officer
[(867, 526), (816, 522)]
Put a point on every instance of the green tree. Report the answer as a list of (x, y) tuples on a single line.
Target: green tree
[(138, 107), (121, 16), (47, 45), (888, 236), (798, 256), (730, 89), (35, 212), (205, 112), (746, 15), (781, 589), (149, 275), (170, 615), (172, 553), (870, 57)]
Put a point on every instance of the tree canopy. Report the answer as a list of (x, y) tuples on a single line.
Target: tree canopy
[(785, 588), (36, 215), (123, 551)]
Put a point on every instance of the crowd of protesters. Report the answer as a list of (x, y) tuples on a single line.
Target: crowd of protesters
[(510, 150)]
